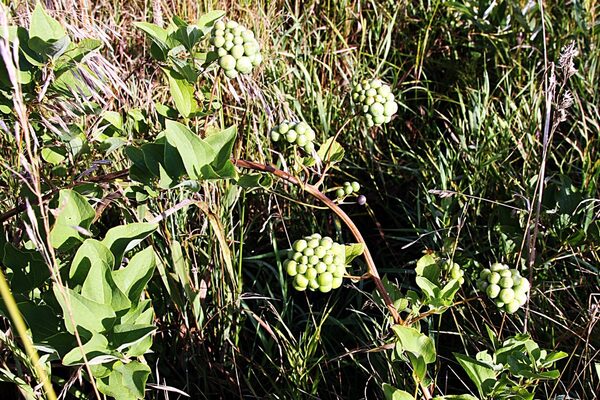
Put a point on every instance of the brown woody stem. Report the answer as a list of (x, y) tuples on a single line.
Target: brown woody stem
[(313, 191)]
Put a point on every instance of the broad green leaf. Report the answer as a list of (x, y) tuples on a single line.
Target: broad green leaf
[(92, 254), (114, 118), (123, 238), (353, 250), (158, 36), (68, 82), (427, 267), (195, 152), (41, 320), (51, 49), (331, 151), (188, 36), (430, 289), (257, 180), (77, 52), (183, 95), (73, 212), (482, 375), (391, 393), (27, 267), (222, 143), (173, 163), (456, 397), (412, 341), (54, 155), (449, 291), (133, 278), (97, 346), (88, 314), (419, 366), (143, 314), (98, 260), (206, 21), (44, 26), (126, 335), (227, 172), (126, 381)]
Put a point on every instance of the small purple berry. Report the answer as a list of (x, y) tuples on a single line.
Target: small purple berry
[(362, 200)]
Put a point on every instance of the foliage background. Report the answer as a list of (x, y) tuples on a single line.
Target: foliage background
[(470, 78)]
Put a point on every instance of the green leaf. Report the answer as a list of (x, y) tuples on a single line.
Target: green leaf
[(123, 238), (391, 393), (126, 335), (73, 212), (430, 289), (126, 381), (44, 26), (195, 153), (331, 151), (88, 314), (95, 350), (353, 250), (142, 314), (449, 291), (206, 21), (95, 261), (113, 118), (456, 397), (188, 36), (154, 159), (412, 341), (133, 279), (257, 180), (482, 375), (29, 270), (427, 267), (222, 143), (158, 36), (183, 95), (54, 155)]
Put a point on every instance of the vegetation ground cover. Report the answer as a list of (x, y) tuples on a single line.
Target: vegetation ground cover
[(149, 196)]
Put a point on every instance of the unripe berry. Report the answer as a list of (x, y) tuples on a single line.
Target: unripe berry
[(493, 291)]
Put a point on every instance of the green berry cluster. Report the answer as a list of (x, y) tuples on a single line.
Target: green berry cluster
[(298, 133), (347, 189), (377, 101), (506, 287), (236, 47), (317, 263), (454, 271)]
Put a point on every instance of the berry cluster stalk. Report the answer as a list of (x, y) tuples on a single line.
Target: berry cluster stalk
[(313, 191)]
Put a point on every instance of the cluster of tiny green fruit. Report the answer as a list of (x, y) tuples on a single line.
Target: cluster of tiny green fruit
[(316, 263), (347, 189), (505, 287), (376, 100), (454, 271), (236, 47), (298, 133)]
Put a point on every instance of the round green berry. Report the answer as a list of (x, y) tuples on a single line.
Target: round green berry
[(227, 62), (506, 283), (311, 273), (290, 267), (506, 295), (493, 277), (493, 291), (300, 281), (512, 307), (244, 65), (339, 193)]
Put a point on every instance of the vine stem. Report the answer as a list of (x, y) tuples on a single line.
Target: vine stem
[(316, 193), (310, 189)]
